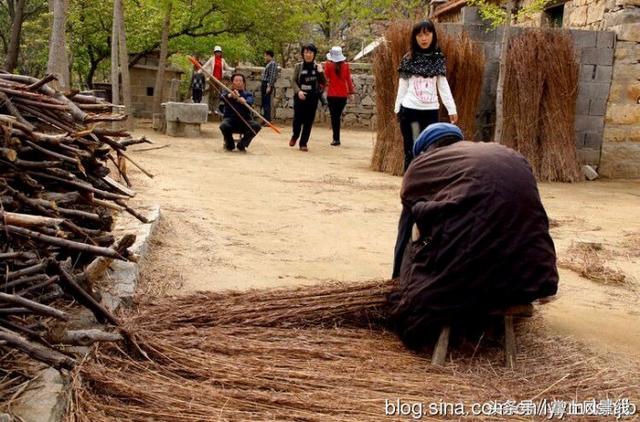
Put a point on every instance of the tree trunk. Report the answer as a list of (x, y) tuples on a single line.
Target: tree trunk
[(13, 50), (124, 65), (162, 62), (115, 73), (497, 135), (58, 62)]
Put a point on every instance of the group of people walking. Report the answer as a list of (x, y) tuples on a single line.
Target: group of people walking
[(422, 86)]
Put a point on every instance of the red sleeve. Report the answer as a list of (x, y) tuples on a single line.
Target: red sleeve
[(352, 89)]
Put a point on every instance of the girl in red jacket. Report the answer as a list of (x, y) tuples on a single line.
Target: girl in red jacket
[(339, 88)]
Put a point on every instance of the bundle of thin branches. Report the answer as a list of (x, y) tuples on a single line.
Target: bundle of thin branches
[(559, 160), (523, 90), (246, 372), (388, 153), (539, 103), (353, 305), (57, 205), (465, 68)]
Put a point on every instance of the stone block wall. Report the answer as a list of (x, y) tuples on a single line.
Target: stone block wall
[(620, 152), (360, 111), (143, 81), (594, 54)]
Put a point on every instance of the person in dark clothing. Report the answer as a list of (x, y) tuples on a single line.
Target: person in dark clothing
[(198, 82), (269, 78), (308, 82), (237, 117), (481, 237)]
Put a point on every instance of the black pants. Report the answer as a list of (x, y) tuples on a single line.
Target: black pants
[(230, 126), (304, 113), (412, 122), (196, 94), (266, 101), (336, 107)]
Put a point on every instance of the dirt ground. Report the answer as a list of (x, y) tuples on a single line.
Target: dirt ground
[(277, 217)]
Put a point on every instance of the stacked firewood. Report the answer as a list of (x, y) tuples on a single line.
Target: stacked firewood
[(57, 205)]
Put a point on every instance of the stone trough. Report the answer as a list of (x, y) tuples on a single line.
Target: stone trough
[(184, 119)]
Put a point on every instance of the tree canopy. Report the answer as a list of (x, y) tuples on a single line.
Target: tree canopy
[(244, 28)]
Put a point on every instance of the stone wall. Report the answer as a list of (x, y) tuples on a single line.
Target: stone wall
[(360, 111), (594, 54), (620, 152), (143, 81)]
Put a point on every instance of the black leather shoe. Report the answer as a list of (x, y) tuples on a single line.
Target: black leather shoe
[(335, 143)]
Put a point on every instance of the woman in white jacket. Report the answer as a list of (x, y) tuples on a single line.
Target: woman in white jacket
[(422, 79)]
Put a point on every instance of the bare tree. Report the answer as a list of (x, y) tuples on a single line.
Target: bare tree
[(16, 14), (164, 46), (58, 62), (123, 59), (115, 69)]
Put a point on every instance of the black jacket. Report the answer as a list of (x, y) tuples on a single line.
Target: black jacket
[(484, 242)]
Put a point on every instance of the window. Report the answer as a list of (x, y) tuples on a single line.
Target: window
[(554, 15), (149, 91)]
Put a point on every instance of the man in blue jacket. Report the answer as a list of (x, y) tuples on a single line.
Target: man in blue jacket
[(237, 117)]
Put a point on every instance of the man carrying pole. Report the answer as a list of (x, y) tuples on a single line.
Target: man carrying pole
[(236, 118)]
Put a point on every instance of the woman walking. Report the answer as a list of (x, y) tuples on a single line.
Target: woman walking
[(308, 82), (339, 88), (422, 78)]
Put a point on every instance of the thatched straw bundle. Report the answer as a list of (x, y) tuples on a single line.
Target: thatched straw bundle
[(540, 89), (264, 368), (388, 154), (465, 69)]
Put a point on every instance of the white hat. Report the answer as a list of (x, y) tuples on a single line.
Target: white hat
[(217, 48), (335, 55)]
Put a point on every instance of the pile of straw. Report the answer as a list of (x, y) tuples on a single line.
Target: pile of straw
[(388, 153), (465, 72), (298, 355), (540, 88), (465, 67), (590, 261)]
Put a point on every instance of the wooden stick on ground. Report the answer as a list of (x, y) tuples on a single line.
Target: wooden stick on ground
[(34, 306), (37, 351)]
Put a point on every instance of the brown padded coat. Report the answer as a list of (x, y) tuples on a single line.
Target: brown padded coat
[(484, 241)]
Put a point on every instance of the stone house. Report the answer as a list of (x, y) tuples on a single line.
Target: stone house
[(609, 74)]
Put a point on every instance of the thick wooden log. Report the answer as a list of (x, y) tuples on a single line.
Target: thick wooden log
[(24, 280), (9, 154), (39, 84), (49, 281), (81, 185), (38, 268), (54, 154), (6, 102), (84, 337), (77, 114), (119, 187), (36, 164), (69, 244), (36, 351), (36, 307), (28, 220)]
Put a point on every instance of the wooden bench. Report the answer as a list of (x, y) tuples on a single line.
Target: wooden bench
[(510, 348)]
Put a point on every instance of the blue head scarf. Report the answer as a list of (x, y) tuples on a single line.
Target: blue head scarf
[(434, 132)]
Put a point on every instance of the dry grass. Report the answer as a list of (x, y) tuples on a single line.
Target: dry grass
[(313, 354), (465, 67), (539, 103), (631, 244), (590, 261)]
